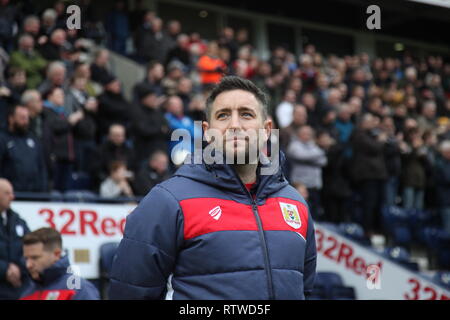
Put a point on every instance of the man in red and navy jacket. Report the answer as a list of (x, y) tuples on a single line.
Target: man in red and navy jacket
[(52, 276), (220, 231)]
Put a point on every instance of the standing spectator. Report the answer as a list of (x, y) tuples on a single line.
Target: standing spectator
[(58, 138), (155, 171), (85, 131), (369, 169), (285, 109), (48, 22), (117, 27), (21, 155), (53, 48), (16, 84), (210, 66), (152, 81), (184, 91), (174, 74), (31, 26), (99, 68), (28, 59), (116, 185), (151, 42), (300, 118), (227, 40), (442, 180), (427, 119), (180, 52), (56, 77), (307, 162), (114, 148), (13, 273), (32, 100), (149, 127), (113, 107), (413, 173), (8, 17), (178, 120), (343, 124)]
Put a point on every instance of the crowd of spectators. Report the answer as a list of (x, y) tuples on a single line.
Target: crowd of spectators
[(356, 130)]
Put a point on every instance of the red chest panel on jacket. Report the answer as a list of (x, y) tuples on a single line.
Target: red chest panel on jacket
[(206, 215), (51, 295)]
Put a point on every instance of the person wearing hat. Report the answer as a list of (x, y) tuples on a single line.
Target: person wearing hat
[(149, 127)]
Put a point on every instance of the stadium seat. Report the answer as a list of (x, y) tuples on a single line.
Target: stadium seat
[(401, 256), (355, 232), (80, 196), (107, 252), (442, 278), (395, 221), (329, 285)]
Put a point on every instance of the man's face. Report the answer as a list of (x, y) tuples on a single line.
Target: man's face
[(237, 117), (20, 120), (117, 135), (160, 163), (38, 259), (6, 195)]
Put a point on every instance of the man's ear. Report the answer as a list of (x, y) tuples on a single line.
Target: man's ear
[(205, 127), (57, 253)]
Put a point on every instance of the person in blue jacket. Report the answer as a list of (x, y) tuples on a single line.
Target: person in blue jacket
[(52, 276), (217, 230)]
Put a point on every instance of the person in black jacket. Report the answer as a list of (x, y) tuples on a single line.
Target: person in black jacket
[(155, 171), (13, 274), (149, 127), (113, 107), (369, 169), (21, 155)]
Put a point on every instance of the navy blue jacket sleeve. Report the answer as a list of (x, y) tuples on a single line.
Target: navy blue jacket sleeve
[(146, 255), (310, 258), (87, 292)]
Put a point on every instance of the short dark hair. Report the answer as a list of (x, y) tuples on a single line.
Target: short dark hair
[(229, 83), (49, 237)]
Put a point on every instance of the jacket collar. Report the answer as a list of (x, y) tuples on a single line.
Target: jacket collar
[(54, 272)]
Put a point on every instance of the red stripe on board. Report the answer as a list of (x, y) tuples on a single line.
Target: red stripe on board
[(206, 215), (51, 295)]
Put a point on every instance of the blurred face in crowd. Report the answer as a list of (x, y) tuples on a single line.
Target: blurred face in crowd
[(117, 134), (368, 122), (114, 87), (185, 86), (334, 97), (26, 43), (300, 116), (6, 194), (175, 106), (290, 96), (159, 162), (344, 113), (387, 125), (58, 75), (174, 27), (34, 104), (19, 121), (157, 24), (305, 134), (445, 150), (38, 258), (238, 116), (429, 110), (32, 26), (156, 73), (57, 97), (102, 58), (83, 70), (119, 174), (325, 141), (150, 101), (58, 37), (213, 49), (18, 79), (309, 101)]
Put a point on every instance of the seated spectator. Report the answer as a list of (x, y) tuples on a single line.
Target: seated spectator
[(56, 77), (307, 161), (21, 155), (155, 171), (52, 48), (30, 60), (115, 148), (48, 268), (442, 180), (99, 68), (116, 185), (149, 127), (210, 66), (113, 107), (152, 81)]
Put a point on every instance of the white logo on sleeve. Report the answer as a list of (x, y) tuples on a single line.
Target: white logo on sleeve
[(216, 212), (19, 230)]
